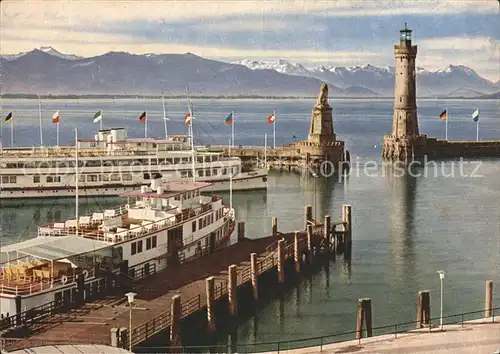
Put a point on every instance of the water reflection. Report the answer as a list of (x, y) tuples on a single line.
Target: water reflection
[(401, 224)]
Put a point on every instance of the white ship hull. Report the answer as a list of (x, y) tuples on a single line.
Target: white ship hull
[(244, 181)]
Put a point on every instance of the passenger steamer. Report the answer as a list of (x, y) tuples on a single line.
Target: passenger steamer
[(73, 260), (112, 164)]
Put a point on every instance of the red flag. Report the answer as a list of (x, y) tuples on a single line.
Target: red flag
[(55, 117), (271, 119)]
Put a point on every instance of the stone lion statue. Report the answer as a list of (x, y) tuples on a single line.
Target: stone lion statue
[(323, 95)]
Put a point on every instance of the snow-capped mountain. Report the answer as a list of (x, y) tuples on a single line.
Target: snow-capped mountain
[(48, 70), (381, 79), (48, 50)]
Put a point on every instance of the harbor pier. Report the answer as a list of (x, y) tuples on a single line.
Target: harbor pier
[(198, 286), (321, 144)]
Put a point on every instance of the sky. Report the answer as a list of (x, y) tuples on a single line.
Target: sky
[(314, 33)]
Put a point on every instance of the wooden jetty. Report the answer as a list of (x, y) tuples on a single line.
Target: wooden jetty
[(166, 297)]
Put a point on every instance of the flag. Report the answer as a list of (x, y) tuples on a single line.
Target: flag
[(187, 118), (475, 115), (229, 118), (9, 117), (444, 115), (97, 116), (143, 117), (271, 119), (55, 117)]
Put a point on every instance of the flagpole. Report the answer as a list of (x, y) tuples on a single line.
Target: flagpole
[(477, 130), (446, 125), (57, 133), (232, 130), (265, 150), (40, 119), (164, 115), (274, 130), (146, 126), (100, 123), (12, 134)]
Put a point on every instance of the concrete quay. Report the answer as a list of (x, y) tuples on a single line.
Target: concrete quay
[(479, 336)]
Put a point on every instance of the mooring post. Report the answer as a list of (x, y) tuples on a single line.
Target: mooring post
[(274, 226), (489, 299), (114, 337), (241, 231), (281, 261), (423, 308), (210, 284), (175, 313), (232, 287), (364, 315), (296, 251), (346, 218), (307, 216), (359, 320), (327, 232), (309, 243), (253, 275), (124, 338)]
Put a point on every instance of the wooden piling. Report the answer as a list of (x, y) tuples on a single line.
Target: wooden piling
[(423, 308), (281, 261), (347, 219), (296, 251), (307, 216), (489, 299), (274, 226), (232, 287), (210, 290), (114, 337), (175, 330), (309, 243), (241, 231), (327, 232), (364, 314), (254, 276)]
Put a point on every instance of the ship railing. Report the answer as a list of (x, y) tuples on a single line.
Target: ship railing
[(37, 283), (134, 230)]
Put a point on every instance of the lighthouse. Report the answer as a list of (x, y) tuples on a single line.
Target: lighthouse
[(404, 143)]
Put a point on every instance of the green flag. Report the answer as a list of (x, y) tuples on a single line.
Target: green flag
[(97, 116)]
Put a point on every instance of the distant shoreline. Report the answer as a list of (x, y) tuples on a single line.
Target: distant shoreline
[(156, 97)]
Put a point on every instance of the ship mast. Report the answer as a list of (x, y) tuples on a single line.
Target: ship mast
[(164, 115), (190, 110), (76, 179)]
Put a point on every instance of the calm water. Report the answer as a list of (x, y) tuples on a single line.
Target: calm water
[(405, 228)]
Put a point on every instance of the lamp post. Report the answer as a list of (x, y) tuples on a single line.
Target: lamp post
[(441, 278), (130, 297)]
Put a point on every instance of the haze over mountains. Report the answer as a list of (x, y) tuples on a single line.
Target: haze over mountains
[(47, 71)]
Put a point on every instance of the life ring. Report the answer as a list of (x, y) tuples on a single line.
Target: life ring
[(127, 206), (85, 274), (64, 279)]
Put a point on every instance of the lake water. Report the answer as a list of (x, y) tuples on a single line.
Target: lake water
[(405, 228)]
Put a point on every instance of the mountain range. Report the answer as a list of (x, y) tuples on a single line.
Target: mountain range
[(47, 70)]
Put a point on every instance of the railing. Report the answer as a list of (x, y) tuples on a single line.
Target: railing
[(30, 316), (39, 286), (149, 328), (318, 343), (220, 289), (191, 305)]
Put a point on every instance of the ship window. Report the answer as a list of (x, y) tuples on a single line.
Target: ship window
[(224, 171), (57, 179), (215, 172), (193, 226), (176, 160), (36, 179), (127, 177), (92, 178), (200, 173), (49, 179), (81, 178), (133, 248), (153, 241), (200, 159), (115, 177), (146, 176), (183, 174), (200, 225), (139, 246), (208, 173), (148, 243), (190, 173), (104, 178)]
